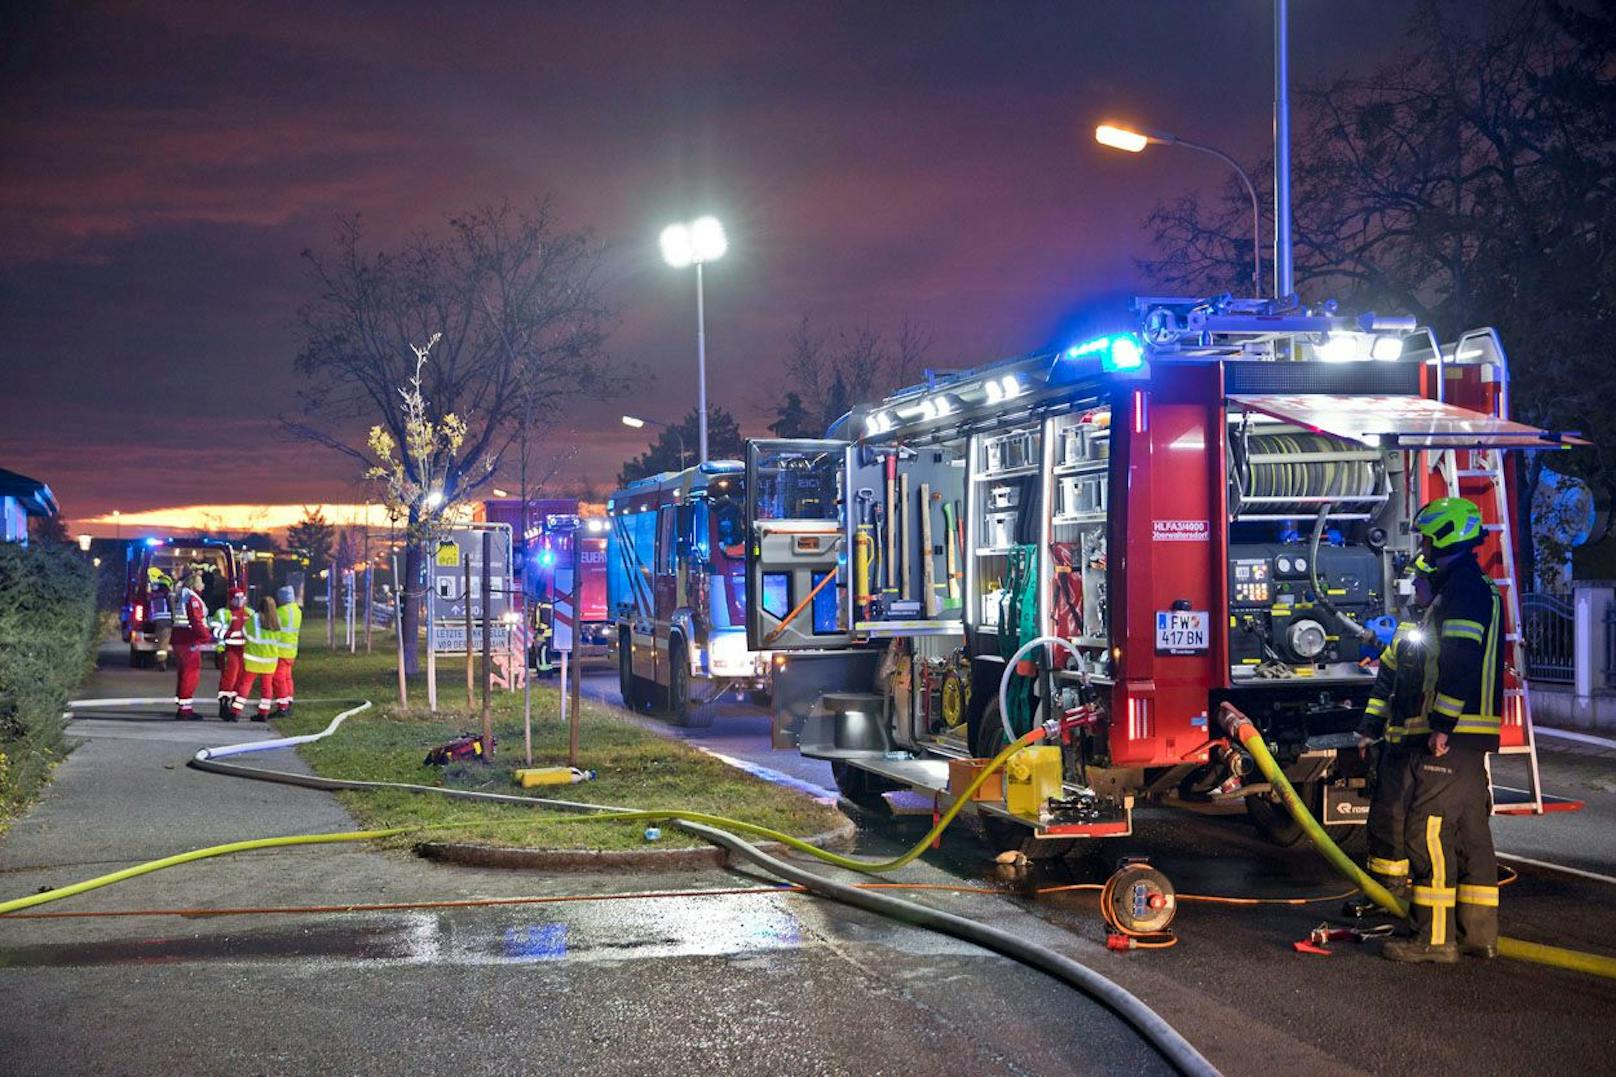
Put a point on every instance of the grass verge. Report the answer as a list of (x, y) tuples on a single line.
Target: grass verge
[(637, 768)]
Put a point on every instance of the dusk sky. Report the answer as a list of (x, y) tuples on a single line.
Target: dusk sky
[(165, 164)]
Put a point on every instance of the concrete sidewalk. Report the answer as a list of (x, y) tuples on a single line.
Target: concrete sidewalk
[(125, 796)]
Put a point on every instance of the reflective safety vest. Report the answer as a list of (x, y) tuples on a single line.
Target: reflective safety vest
[(291, 616), (263, 649), (1405, 685), (219, 623)]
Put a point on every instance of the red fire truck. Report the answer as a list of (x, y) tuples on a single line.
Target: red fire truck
[(676, 588), (552, 525), (1208, 508)]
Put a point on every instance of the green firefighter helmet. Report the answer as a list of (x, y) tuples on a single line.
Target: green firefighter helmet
[(1449, 521)]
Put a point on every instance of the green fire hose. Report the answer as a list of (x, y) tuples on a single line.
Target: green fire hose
[(1239, 726)]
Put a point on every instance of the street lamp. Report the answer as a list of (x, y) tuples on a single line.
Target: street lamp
[(1122, 138), (700, 241), (636, 423), (84, 543)]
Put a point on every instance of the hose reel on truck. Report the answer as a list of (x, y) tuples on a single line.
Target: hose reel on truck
[(1284, 594)]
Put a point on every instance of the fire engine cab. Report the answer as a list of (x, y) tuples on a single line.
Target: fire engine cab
[(1214, 506), (676, 591)]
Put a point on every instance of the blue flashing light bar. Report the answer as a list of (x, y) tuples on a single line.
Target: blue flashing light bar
[(1119, 351), (154, 542)]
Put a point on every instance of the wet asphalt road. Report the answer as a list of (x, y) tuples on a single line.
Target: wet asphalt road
[(746, 983), (1235, 970)]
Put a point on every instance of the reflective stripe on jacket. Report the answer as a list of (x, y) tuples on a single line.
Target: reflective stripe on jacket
[(262, 652), (291, 616), (1469, 630)]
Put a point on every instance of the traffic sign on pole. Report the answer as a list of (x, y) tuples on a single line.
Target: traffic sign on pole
[(455, 602)]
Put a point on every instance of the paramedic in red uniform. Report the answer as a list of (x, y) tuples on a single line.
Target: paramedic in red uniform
[(191, 634), (233, 637)]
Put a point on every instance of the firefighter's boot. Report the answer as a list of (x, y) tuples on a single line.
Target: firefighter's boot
[(1415, 951)]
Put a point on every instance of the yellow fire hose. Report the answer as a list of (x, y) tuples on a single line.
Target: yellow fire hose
[(1238, 725), (195, 854)]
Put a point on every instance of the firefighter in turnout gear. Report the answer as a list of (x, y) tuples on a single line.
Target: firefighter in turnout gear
[(191, 635), (1393, 722), (230, 638), (1449, 843), (259, 658), (291, 618), (160, 602)]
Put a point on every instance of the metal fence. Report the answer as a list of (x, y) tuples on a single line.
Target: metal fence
[(1546, 629), (1610, 646)]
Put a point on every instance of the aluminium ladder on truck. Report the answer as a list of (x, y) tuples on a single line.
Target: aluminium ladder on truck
[(1480, 475)]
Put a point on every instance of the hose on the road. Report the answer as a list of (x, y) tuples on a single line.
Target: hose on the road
[(195, 854), (1155, 1031), (1150, 1025), (209, 759), (1238, 725)]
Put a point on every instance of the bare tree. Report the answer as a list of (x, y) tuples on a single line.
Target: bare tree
[(518, 303), (829, 371)]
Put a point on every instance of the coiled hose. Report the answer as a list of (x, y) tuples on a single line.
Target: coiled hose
[(1238, 725)]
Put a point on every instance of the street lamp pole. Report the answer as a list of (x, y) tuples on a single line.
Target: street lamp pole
[(700, 241), (1134, 141), (701, 372)]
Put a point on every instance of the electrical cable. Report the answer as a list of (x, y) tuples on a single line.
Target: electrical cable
[(1155, 1031), (1238, 725)]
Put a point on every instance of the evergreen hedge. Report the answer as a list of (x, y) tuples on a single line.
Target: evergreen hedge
[(48, 637)]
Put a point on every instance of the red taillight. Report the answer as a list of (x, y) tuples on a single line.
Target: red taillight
[(140, 613)]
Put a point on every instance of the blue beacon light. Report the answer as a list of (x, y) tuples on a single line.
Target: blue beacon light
[(1119, 351)]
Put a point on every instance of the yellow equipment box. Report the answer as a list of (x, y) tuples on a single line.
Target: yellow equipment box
[(1031, 778)]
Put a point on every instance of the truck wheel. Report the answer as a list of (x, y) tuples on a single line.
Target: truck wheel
[(1277, 825), (861, 788), (1003, 835), (628, 685), (1274, 821), (134, 657), (686, 711)]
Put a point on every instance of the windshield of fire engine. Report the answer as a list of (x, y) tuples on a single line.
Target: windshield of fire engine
[(720, 525)]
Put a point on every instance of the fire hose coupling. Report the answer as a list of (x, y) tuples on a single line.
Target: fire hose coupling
[(1235, 724), (1062, 728)]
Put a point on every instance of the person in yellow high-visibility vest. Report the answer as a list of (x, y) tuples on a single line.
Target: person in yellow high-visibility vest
[(291, 618), (259, 660)]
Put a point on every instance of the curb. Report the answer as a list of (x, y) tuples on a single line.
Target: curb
[(703, 857)]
